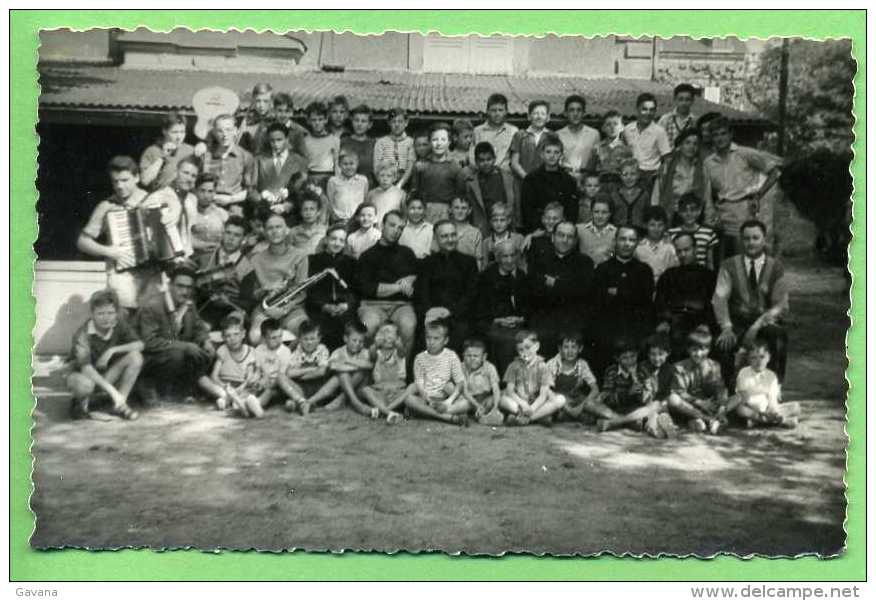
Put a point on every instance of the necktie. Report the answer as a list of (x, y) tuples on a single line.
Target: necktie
[(752, 278), (278, 161), (178, 321)]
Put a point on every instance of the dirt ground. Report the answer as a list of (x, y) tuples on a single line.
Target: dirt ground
[(186, 476)]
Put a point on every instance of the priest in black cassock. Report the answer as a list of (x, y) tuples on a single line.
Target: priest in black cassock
[(447, 284), (684, 296), (623, 295), (562, 288)]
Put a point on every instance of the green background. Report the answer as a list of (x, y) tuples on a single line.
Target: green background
[(27, 564)]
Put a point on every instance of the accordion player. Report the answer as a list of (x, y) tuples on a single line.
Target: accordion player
[(142, 232)]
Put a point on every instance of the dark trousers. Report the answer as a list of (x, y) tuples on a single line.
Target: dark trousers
[(681, 324), (177, 367), (503, 346), (552, 325), (332, 328)]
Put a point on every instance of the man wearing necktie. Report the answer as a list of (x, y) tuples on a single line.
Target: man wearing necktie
[(751, 297), (276, 168)]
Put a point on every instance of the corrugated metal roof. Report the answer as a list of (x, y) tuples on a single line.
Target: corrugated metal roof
[(113, 87)]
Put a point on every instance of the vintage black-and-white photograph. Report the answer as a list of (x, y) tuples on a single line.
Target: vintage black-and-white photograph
[(325, 291)]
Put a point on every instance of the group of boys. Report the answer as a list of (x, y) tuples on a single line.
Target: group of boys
[(502, 199)]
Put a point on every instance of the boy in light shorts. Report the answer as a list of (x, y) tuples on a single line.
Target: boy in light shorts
[(482, 386)]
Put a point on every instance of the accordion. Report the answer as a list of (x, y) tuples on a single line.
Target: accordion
[(141, 232)]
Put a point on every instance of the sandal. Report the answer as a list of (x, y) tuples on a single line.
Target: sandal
[(126, 413), (393, 418), (460, 420), (79, 409)]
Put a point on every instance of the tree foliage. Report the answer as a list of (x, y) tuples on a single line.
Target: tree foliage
[(820, 94)]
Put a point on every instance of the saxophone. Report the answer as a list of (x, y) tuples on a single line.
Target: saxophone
[(278, 304)]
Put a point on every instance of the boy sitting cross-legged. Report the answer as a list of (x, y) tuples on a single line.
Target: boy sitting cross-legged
[(388, 387), (272, 359), (438, 379), (758, 392), (528, 382), (348, 366), (698, 391), (306, 375), (106, 354), (235, 377), (572, 377), (629, 395), (482, 387)]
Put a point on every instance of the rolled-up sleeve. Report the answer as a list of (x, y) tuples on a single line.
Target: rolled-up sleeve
[(723, 287)]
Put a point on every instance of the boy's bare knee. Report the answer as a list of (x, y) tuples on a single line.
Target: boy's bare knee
[(135, 359), (80, 386)]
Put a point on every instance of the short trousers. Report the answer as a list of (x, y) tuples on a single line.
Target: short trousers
[(309, 387)]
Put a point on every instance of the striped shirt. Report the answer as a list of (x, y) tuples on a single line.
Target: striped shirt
[(399, 152), (705, 239), (434, 372)]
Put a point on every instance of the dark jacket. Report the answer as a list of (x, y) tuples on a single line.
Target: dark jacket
[(631, 305), (267, 177), (502, 296), (329, 290), (155, 324), (572, 291), (384, 264), (685, 289), (447, 280), (542, 187)]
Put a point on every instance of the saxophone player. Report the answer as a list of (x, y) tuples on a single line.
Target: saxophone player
[(279, 266)]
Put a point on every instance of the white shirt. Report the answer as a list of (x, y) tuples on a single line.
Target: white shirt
[(578, 146), (758, 265), (649, 145)]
